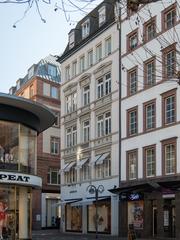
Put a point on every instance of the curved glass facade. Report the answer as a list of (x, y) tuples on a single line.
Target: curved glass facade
[(17, 148)]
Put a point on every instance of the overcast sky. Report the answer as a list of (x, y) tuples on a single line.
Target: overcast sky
[(31, 40)]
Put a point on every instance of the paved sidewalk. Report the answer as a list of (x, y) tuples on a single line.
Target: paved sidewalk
[(54, 234)]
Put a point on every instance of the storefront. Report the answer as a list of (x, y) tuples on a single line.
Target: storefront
[(20, 122), (81, 215), (152, 208)]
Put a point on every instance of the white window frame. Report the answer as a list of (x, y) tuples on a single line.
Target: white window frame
[(99, 52), (104, 124), (74, 68), (86, 131), (170, 159), (108, 46), (71, 136), (54, 145), (50, 172), (67, 73), (71, 102), (82, 64), (85, 28), (71, 39), (86, 95), (132, 165), (90, 58), (54, 92), (104, 85), (85, 172), (102, 15)]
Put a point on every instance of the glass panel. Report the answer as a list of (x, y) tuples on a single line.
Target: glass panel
[(9, 145), (104, 217), (27, 150), (73, 218)]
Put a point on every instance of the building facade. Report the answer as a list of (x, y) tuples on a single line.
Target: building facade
[(89, 133), (150, 142), (20, 122), (42, 85)]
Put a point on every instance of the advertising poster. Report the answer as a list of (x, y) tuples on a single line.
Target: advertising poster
[(135, 214)]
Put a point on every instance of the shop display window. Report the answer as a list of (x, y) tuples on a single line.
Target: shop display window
[(135, 214), (104, 217), (73, 218)]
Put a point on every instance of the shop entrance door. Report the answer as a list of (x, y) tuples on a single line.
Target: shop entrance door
[(154, 221)]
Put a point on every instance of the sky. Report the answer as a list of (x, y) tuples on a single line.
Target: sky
[(32, 39)]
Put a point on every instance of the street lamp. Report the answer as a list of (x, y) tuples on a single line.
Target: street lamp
[(96, 190)]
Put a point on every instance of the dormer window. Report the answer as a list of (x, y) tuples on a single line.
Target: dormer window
[(52, 70), (102, 15), (31, 72), (18, 84), (85, 28), (71, 39)]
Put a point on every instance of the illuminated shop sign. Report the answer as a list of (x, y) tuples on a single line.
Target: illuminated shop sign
[(20, 179), (132, 196)]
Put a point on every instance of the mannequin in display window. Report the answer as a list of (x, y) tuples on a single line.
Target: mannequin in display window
[(3, 218)]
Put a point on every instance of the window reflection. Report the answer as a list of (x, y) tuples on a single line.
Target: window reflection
[(17, 147)]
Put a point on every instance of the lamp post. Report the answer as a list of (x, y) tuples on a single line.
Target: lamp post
[(96, 190)]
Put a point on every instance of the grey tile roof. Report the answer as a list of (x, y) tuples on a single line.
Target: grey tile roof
[(93, 16)]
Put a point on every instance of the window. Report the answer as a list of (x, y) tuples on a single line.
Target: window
[(149, 115), (86, 128), (54, 145), (132, 40), (132, 128), (71, 176), (104, 124), (169, 17), (74, 68), (67, 73), (103, 170), (82, 64), (169, 156), (107, 123), (52, 70), (71, 39), (132, 81), (54, 92), (150, 161), (71, 102), (90, 58), (100, 126), (102, 15), (53, 176), (104, 85), (169, 107), (86, 95), (149, 30), (85, 172), (149, 78), (85, 28), (132, 159), (169, 62), (108, 46), (31, 72), (107, 83), (98, 52), (100, 88), (31, 91), (71, 136)]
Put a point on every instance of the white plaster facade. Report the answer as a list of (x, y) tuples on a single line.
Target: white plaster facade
[(97, 106)]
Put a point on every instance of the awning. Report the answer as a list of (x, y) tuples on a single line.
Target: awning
[(102, 158), (96, 158), (65, 166), (87, 201), (82, 162), (66, 202), (70, 165)]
